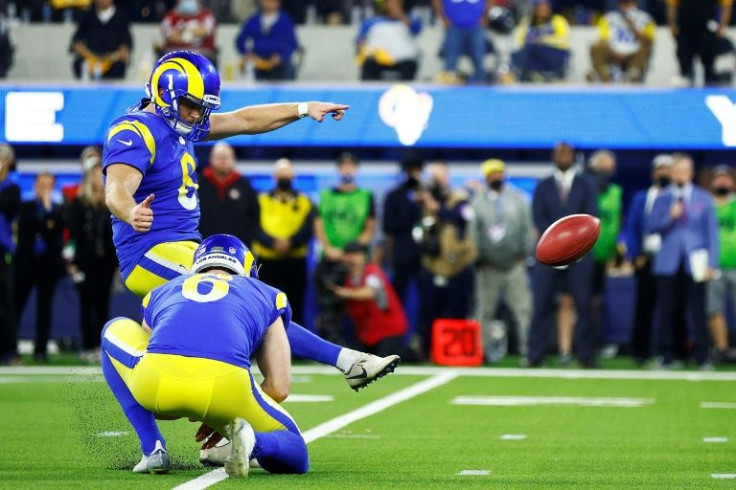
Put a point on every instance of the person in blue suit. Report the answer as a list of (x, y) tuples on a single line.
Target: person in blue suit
[(563, 193), (685, 218), (641, 247)]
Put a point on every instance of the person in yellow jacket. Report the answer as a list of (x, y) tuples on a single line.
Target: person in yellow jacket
[(543, 45), (282, 242)]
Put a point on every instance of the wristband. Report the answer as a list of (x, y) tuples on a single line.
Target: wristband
[(303, 109)]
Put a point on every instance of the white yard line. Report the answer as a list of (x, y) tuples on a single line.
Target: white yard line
[(527, 401), (723, 405), (326, 428), (483, 372), (297, 398)]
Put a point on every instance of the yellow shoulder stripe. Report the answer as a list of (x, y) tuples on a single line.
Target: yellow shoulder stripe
[(141, 130), (281, 301), (146, 300)]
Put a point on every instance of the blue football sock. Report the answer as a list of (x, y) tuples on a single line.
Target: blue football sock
[(307, 345), (281, 451), (141, 419)]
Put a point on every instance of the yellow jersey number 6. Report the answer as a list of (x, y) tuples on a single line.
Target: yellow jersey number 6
[(188, 189), (219, 289)]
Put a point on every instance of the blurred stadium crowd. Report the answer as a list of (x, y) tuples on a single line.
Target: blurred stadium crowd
[(386, 34), (434, 251), (445, 252)]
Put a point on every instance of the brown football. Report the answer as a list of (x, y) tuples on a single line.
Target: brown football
[(568, 239)]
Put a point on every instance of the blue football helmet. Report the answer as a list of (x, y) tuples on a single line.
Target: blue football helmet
[(183, 74), (226, 251)]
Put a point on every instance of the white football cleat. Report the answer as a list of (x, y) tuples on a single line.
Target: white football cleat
[(155, 463), (216, 456), (243, 440), (369, 368)]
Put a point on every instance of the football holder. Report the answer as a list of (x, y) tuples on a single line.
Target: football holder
[(456, 343)]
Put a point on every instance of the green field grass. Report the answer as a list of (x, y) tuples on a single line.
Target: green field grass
[(51, 426)]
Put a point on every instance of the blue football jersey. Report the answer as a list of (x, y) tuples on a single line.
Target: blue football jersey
[(144, 141), (213, 316)]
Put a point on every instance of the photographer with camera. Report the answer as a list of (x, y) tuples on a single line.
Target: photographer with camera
[(447, 251), (346, 213)]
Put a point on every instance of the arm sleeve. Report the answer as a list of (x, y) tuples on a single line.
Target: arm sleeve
[(305, 232), (290, 42), (282, 308), (659, 219), (372, 204), (247, 32), (415, 26), (129, 142), (396, 218), (80, 35), (713, 248), (633, 228), (650, 30), (10, 200), (127, 38), (539, 215), (604, 31)]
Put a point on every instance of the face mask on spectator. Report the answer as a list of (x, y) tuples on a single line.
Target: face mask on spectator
[(722, 191), (664, 181), (188, 7), (347, 179), (283, 185), (412, 183), (496, 185)]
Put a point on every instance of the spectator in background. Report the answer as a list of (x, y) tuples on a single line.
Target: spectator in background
[(92, 261), (38, 259), (191, 27), (371, 303), (610, 206), (464, 22), (447, 250), (9, 205), (282, 242), (347, 213), (267, 41), (102, 43), (641, 248), (724, 283), (685, 218), (402, 213), (502, 232), (7, 49), (90, 156), (386, 45), (625, 42), (227, 202), (565, 192), (543, 45), (691, 23)]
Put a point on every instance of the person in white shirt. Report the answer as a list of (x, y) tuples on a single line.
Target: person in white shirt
[(625, 43)]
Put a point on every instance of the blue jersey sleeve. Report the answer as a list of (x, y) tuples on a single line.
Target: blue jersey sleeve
[(131, 142), (283, 309)]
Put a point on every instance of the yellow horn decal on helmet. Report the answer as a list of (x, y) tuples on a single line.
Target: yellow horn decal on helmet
[(249, 259), (195, 84)]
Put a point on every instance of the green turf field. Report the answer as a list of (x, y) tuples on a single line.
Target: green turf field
[(64, 430)]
